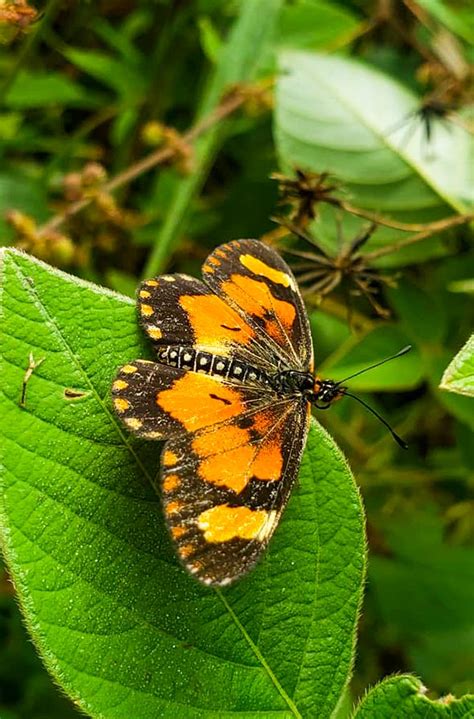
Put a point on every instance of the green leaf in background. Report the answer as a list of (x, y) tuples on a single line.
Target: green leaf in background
[(40, 89), (426, 566), (23, 193), (459, 405), (459, 20), (314, 24), (422, 316), (118, 622), (339, 115), (211, 41), (125, 79), (459, 375), (462, 286), (357, 353), (404, 697), (240, 61)]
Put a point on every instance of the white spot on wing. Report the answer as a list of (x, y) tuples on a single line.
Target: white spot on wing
[(267, 526)]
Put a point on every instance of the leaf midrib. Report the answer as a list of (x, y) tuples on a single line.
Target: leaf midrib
[(291, 705)]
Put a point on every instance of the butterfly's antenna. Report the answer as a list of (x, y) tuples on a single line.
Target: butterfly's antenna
[(377, 364), (395, 436)]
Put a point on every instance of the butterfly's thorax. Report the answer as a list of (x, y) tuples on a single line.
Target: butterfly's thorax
[(292, 382)]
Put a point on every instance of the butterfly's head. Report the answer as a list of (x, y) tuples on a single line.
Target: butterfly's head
[(325, 392)]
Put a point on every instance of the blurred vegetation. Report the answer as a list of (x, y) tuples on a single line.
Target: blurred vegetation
[(88, 90)]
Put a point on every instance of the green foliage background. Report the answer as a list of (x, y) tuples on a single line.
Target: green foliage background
[(90, 81)]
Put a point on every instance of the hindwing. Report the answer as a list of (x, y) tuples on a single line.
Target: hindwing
[(225, 488)]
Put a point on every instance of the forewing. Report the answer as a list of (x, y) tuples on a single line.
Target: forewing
[(181, 310), (254, 280), (225, 487), (157, 401)]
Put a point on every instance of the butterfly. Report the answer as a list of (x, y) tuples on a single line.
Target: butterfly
[(230, 392)]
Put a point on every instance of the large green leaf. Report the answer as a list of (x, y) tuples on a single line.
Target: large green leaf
[(118, 622), (337, 114), (405, 697), (459, 375)]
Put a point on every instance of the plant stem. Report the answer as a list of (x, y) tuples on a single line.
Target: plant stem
[(226, 107), (427, 232), (404, 226)]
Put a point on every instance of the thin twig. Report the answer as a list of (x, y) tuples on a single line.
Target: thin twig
[(404, 226), (446, 224), (226, 107)]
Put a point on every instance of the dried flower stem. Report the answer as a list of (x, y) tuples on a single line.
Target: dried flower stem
[(427, 232), (228, 105), (432, 227)]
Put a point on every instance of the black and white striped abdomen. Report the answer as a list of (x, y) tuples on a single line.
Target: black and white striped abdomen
[(208, 363)]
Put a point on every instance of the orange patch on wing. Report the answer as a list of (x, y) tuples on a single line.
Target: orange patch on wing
[(221, 440), (169, 458), (261, 268), (233, 470), (274, 330), (173, 507), (255, 298), (177, 532), (222, 523), (262, 421), (214, 261), (197, 400), (214, 323), (186, 550), (268, 463), (171, 482)]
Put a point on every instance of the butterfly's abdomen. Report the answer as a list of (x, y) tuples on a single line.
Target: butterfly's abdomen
[(197, 361)]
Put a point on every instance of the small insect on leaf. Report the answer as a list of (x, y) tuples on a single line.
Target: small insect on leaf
[(70, 393), (32, 365)]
